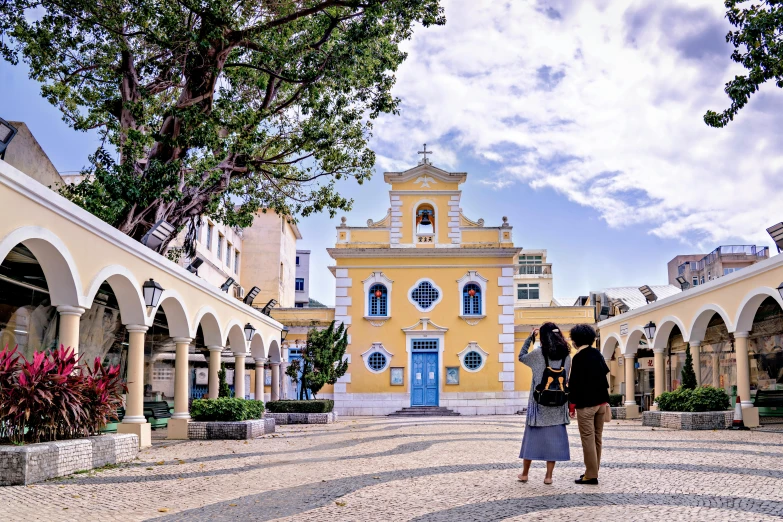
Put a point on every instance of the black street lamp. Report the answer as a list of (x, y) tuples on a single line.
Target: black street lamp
[(283, 334), (649, 330), (249, 331), (152, 292)]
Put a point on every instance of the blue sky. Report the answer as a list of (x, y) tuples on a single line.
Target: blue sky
[(580, 121)]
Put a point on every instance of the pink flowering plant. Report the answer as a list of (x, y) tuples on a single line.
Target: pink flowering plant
[(54, 397)]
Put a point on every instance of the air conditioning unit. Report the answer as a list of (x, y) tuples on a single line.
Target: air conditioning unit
[(239, 292)]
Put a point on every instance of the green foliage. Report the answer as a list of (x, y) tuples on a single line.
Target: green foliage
[(688, 375), (703, 398), (758, 47), (226, 410), (223, 389), (322, 359), (313, 406), (216, 107), (315, 304), (615, 399)]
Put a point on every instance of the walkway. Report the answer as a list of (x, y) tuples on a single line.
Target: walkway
[(422, 469)]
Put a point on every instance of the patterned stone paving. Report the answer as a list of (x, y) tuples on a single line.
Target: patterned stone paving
[(464, 468)]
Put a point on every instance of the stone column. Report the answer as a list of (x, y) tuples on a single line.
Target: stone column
[(178, 423), (275, 395), (609, 375), (214, 367), (239, 375), (750, 415), (696, 356), (283, 383), (715, 369), (259, 391), (660, 374), (631, 408), (134, 420), (69, 326)]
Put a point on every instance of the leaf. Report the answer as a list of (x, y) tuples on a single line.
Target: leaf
[(163, 510), (340, 503)]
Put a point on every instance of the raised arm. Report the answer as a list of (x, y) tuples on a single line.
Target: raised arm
[(523, 353)]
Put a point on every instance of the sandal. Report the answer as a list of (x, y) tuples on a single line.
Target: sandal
[(548, 483), (521, 479)]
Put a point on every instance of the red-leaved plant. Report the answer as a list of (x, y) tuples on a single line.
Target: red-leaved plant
[(54, 397)]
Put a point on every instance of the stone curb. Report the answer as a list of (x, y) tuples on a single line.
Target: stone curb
[(240, 430), (707, 420), (302, 418)]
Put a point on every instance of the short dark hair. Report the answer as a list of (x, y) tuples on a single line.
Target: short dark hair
[(583, 335)]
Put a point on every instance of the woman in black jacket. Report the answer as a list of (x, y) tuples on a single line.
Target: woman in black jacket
[(589, 395)]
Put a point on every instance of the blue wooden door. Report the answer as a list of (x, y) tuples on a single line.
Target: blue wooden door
[(424, 391)]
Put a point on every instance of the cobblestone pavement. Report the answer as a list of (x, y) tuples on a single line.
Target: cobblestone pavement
[(462, 468)]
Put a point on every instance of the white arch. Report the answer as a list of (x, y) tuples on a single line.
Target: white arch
[(437, 212), (176, 314), (126, 290), (750, 305), (274, 352), (59, 268), (664, 330), (235, 337), (702, 319), (605, 351), (210, 326), (257, 346), (632, 344)]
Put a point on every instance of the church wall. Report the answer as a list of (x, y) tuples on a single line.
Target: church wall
[(410, 202), (380, 237), (480, 236)]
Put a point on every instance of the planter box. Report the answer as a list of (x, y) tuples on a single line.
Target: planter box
[(302, 418), (708, 420), (22, 465), (240, 430), (618, 412)]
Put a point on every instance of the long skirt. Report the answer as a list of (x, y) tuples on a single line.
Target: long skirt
[(548, 443)]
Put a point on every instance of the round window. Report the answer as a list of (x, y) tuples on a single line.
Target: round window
[(473, 360), (376, 361), (425, 295)]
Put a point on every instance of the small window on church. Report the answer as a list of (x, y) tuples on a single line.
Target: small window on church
[(425, 295), (378, 301), (425, 220), (471, 299), (473, 360), (376, 361)]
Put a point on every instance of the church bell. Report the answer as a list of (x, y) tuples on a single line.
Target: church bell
[(425, 219)]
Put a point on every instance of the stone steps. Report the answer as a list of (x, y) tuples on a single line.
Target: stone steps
[(424, 411)]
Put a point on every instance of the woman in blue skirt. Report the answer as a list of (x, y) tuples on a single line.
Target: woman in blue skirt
[(545, 435)]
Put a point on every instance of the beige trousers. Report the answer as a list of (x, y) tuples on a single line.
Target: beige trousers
[(591, 427)]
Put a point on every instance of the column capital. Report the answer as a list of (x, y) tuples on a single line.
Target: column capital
[(140, 328), (695, 344), (70, 310), (630, 356), (260, 360), (243, 355), (215, 348), (741, 335), (182, 340), (659, 350), (274, 363)]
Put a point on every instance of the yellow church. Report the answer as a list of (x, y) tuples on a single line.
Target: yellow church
[(428, 295)]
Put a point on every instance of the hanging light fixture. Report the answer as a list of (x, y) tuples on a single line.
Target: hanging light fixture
[(152, 292), (283, 333), (649, 330), (471, 292), (378, 293), (249, 331)]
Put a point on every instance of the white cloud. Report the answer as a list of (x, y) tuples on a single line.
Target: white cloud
[(601, 101)]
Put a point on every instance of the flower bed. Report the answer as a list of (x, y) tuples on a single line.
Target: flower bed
[(239, 430), (706, 420), (226, 409), (22, 465), (312, 406), (303, 418), (618, 412)]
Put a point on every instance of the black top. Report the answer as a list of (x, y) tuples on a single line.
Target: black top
[(587, 385)]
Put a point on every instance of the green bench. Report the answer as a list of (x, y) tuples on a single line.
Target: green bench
[(157, 414), (769, 403), (111, 427)]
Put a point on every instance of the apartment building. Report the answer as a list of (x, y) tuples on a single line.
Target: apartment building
[(302, 281), (697, 269), (533, 279)]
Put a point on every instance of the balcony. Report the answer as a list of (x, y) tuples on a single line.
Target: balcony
[(543, 270)]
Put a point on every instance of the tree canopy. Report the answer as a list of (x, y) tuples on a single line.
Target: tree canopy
[(322, 359), (216, 107), (758, 46)]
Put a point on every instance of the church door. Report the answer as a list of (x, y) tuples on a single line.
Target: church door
[(424, 378)]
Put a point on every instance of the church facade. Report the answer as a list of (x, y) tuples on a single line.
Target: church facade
[(429, 295)]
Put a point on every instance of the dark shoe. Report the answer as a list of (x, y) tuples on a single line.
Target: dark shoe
[(589, 482)]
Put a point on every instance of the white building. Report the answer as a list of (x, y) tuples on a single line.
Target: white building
[(302, 281)]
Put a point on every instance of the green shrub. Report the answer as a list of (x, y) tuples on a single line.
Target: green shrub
[(226, 409), (707, 398), (615, 399), (314, 406), (703, 398)]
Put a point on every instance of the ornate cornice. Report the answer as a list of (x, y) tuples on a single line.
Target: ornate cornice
[(341, 253)]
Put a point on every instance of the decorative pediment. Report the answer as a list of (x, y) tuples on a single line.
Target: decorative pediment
[(434, 175), (466, 222), (381, 223), (425, 325)]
